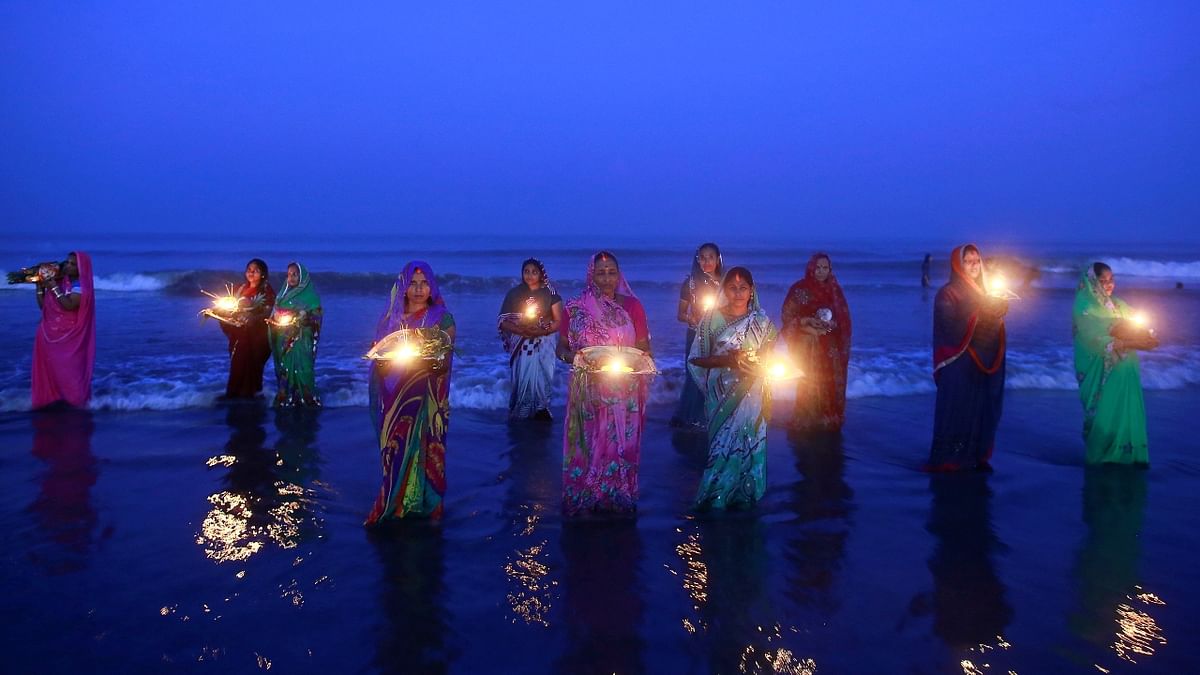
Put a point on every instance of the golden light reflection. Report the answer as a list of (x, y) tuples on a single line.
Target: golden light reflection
[(221, 460), (230, 531), (1137, 632), (778, 660), (969, 667), (531, 591)]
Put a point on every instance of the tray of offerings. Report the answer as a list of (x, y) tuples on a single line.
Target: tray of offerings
[(409, 345), (614, 360)]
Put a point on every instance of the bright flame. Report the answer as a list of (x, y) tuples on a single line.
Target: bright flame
[(531, 312), (404, 352), (1140, 319), (777, 371), (227, 303), (616, 365), (284, 320), (998, 284), (709, 302)]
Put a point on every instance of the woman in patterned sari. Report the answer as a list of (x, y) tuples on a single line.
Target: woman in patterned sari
[(968, 366), (603, 432), (528, 321), (249, 346), (410, 404), (1110, 380), (816, 327), (701, 287), (295, 329), (737, 401)]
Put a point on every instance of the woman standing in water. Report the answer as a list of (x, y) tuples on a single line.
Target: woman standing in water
[(725, 360), (410, 404), (295, 330), (697, 295), (1110, 380), (968, 366), (64, 351), (249, 345), (603, 431), (528, 320), (816, 327)]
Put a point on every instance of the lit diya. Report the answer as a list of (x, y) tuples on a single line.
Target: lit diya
[(224, 308), (407, 345), (776, 368), (531, 311), (997, 287), (708, 302), (282, 319), (614, 361), (1142, 321)]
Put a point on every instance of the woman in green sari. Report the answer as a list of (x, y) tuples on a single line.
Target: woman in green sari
[(1106, 365), (295, 327), (737, 403)]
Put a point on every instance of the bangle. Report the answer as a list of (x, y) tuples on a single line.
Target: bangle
[(57, 293)]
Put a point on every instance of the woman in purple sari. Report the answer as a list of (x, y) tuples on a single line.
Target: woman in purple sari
[(968, 366), (603, 432), (410, 404)]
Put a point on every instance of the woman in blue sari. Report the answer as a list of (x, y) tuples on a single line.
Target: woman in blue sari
[(968, 366), (528, 321), (697, 294), (737, 402)]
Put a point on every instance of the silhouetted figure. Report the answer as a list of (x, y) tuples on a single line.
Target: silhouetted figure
[(926, 265)]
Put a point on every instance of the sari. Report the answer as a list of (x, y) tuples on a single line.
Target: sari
[(410, 407), (64, 350), (821, 394), (697, 284), (969, 363), (249, 343), (1110, 381), (295, 346), (530, 359), (738, 408), (602, 436)]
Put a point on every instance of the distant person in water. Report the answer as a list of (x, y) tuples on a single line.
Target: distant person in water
[(699, 292), (725, 360), (249, 342), (968, 366), (295, 331), (410, 404), (1106, 366), (64, 351), (926, 267), (528, 324)]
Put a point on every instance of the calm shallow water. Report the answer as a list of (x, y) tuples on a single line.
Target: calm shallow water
[(230, 540)]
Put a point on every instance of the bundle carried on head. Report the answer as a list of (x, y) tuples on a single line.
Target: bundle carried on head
[(31, 274)]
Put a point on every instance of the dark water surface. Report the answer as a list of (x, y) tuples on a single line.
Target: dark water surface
[(230, 540)]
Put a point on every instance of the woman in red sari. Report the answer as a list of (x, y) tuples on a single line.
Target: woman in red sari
[(816, 328), (64, 352), (249, 346)]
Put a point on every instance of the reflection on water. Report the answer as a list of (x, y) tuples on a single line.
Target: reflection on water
[(267, 497), (1115, 611), (62, 510), (532, 482), (602, 598), (823, 503), (413, 638), (968, 602)]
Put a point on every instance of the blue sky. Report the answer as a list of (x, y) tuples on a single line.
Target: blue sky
[(868, 120)]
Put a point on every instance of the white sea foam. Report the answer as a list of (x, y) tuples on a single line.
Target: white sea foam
[(1135, 267)]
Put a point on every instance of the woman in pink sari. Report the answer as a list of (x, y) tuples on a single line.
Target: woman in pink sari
[(64, 351), (603, 432)]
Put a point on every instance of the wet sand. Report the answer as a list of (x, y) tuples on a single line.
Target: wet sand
[(230, 540)]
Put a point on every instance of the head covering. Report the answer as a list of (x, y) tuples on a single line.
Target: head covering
[(754, 304), (698, 277), (828, 295), (596, 319), (1090, 297), (959, 273), (302, 296), (393, 319)]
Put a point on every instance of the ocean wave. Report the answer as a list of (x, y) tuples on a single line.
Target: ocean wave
[(1134, 267), (481, 382)]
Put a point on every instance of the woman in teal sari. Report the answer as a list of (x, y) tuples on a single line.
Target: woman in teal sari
[(295, 327), (737, 403), (1106, 365)]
